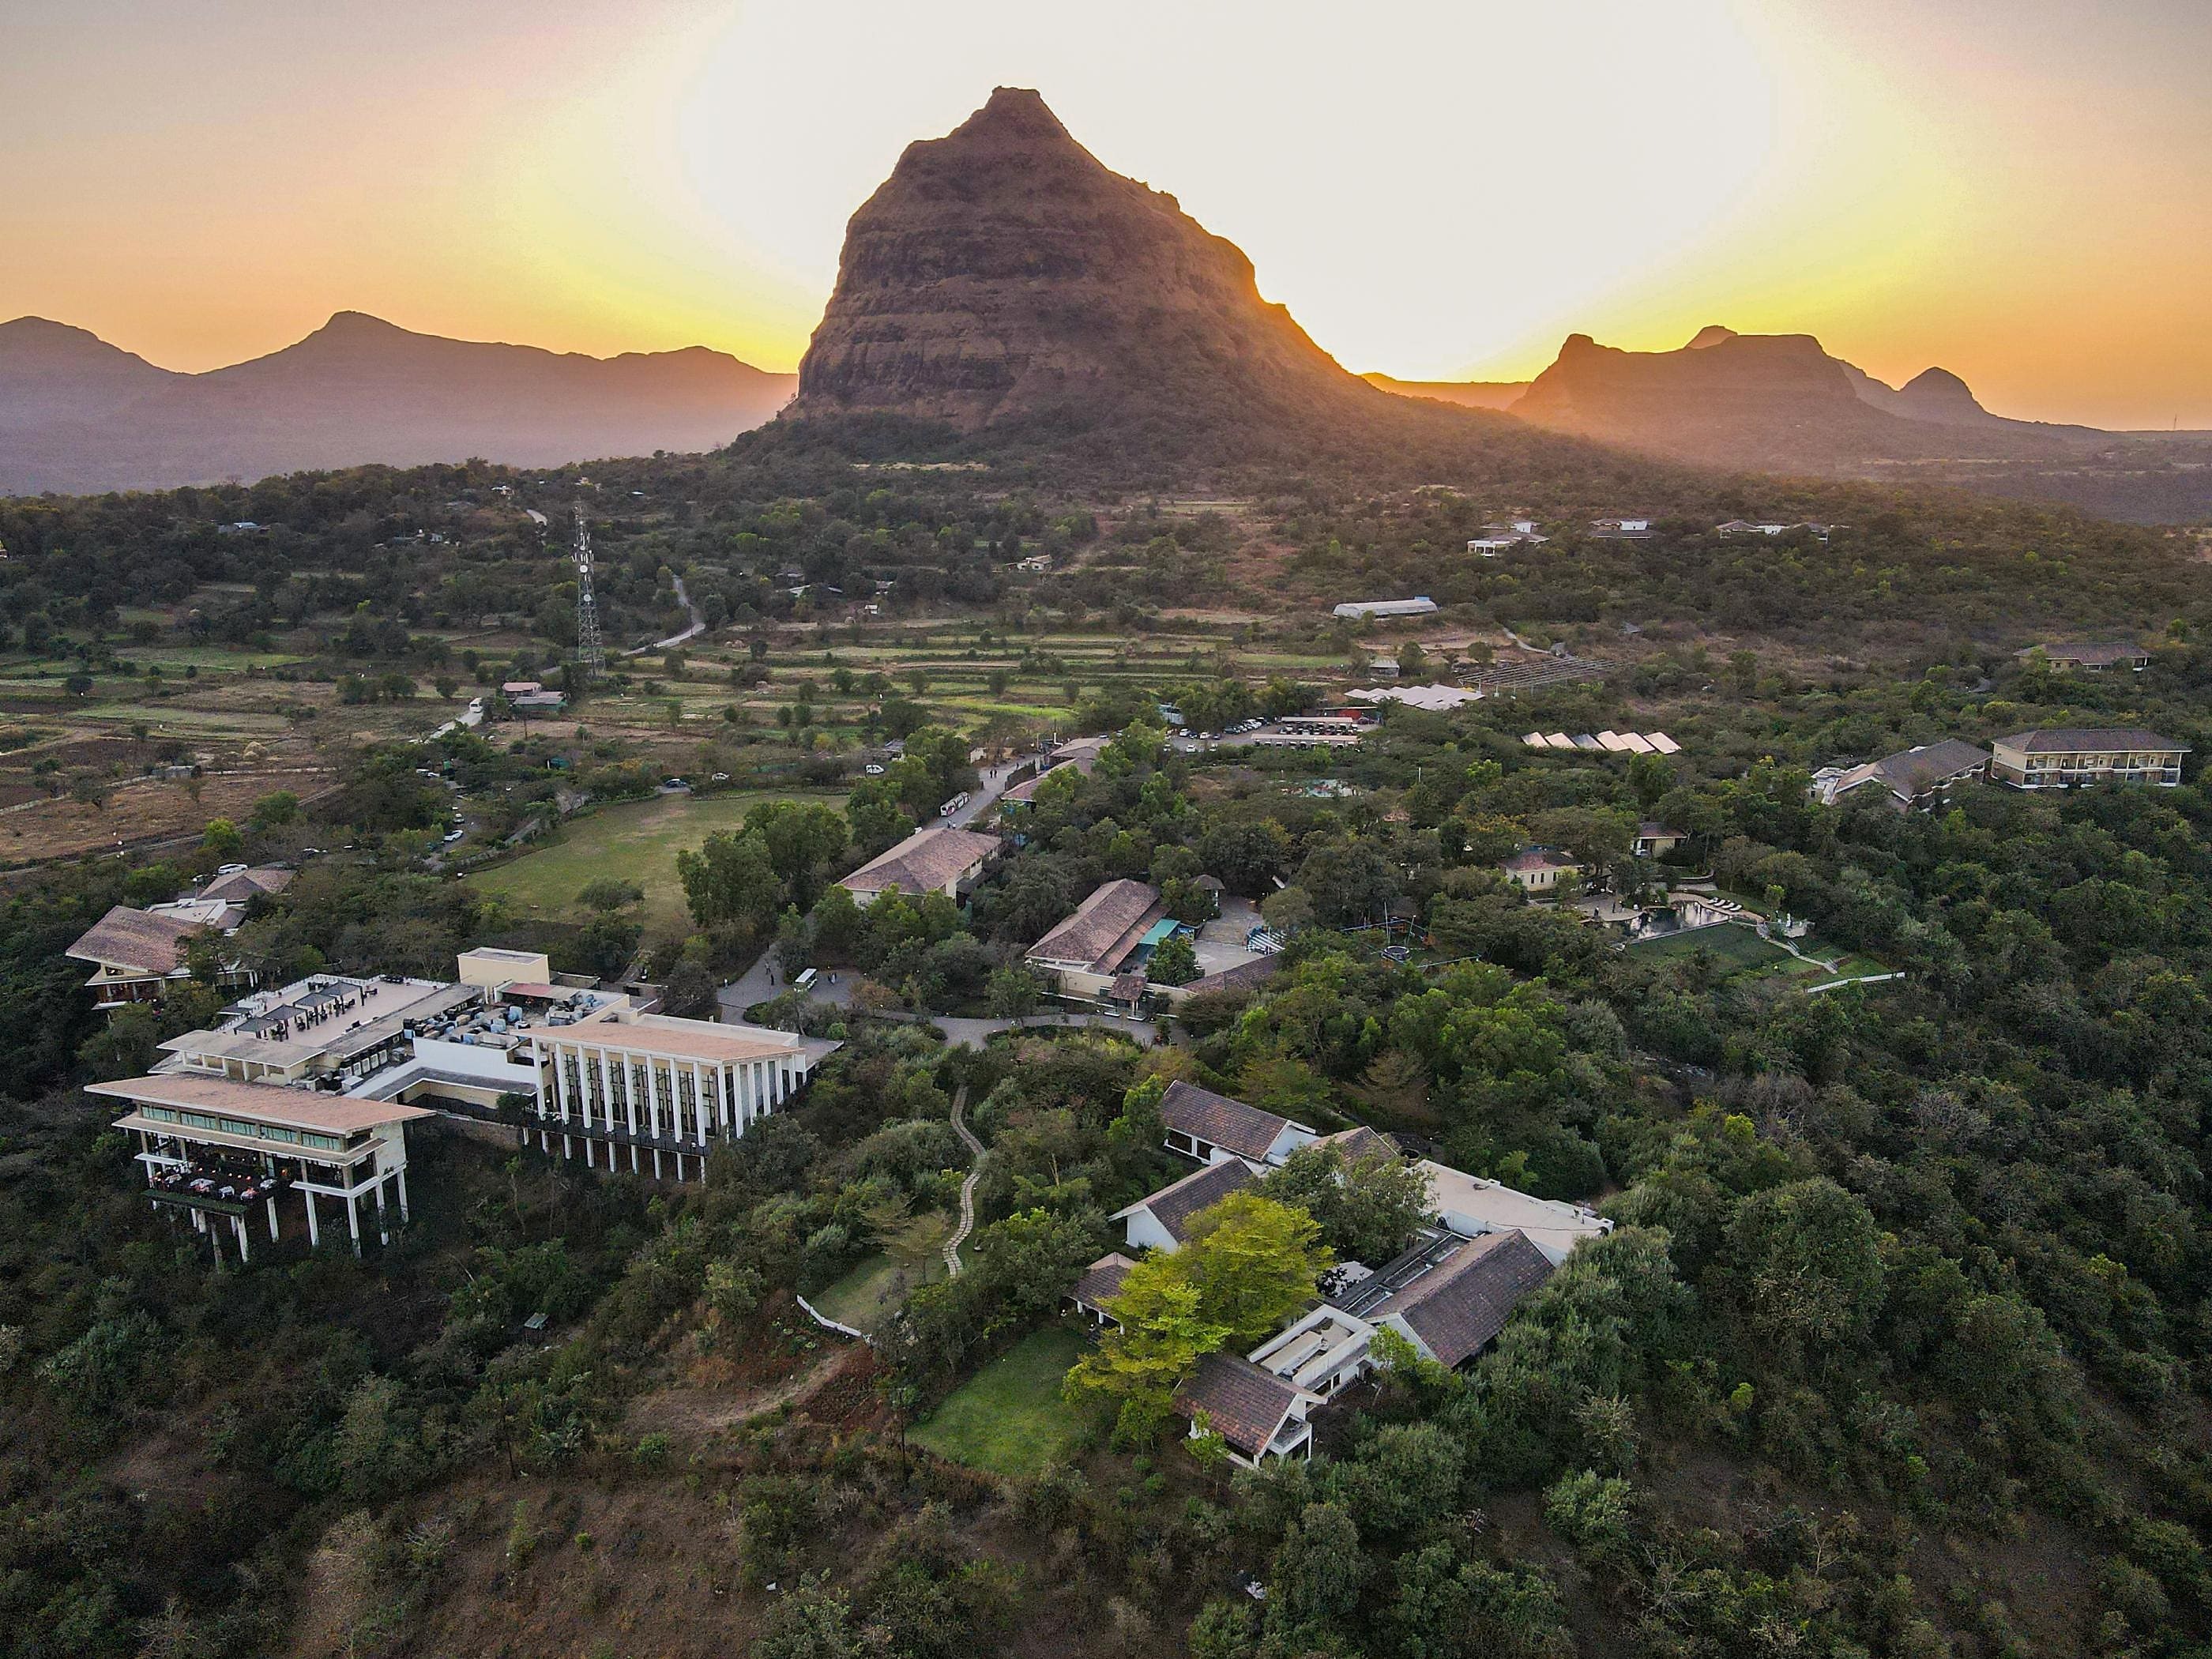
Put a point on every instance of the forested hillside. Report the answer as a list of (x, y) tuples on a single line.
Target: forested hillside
[(1898, 1345)]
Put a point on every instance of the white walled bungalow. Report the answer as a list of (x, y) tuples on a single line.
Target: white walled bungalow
[(220, 1150), (1161, 1220), (1255, 1411), (1215, 1128)]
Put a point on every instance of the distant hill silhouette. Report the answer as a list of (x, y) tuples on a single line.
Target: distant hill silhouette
[(1778, 402), (78, 415), (1469, 394)]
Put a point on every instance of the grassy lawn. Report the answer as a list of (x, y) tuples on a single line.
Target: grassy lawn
[(1739, 951), (1733, 949), (881, 1281), (633, 841), (1009, 1418)]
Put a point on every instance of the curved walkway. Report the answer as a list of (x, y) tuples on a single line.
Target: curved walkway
[(967, 1187)]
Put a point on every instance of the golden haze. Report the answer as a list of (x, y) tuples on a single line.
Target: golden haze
[(1435, 189)]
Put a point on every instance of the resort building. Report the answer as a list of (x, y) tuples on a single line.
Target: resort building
[(1473, 1206), (136, 955), (329, 1030), (1538, 870), (1100, 951), (1485, 1248), (229, 1154), (1917, 778), (1654, 840), (2089, 659), (1161, 1220), (1258, 1414), (1100, 1284), (936, 858), (2065, 757), (1217, 1129), (653, 1094)]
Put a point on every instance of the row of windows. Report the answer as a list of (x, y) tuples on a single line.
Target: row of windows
[(235, 1126)]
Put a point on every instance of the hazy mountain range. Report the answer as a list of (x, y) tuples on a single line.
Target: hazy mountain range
[(79, 414), (1004, 285)]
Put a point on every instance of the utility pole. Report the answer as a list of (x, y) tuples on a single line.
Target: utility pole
[(589, 653)]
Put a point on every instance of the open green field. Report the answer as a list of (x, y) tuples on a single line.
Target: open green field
[(1736, 949), (1733, 949), (866, 1295), (1009, 1418), (177, 658), (631, 840)]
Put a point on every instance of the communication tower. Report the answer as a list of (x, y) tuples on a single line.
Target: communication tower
[(589, 652)]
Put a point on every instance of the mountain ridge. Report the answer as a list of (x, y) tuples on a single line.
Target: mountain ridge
[(79, 414)]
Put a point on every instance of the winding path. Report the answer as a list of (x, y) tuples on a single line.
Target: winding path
[(968, 1187)]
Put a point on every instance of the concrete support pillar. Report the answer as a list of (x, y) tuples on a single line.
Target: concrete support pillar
[(314, 1232), (353, 1221), (400, 1176), (272, 1218), (561, 1094), (383, 1228), (238, 1228)]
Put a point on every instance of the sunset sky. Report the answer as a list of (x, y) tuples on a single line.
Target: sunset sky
[(2021, 192)]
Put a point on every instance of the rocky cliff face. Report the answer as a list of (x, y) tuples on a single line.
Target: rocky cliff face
[(1002, 271)]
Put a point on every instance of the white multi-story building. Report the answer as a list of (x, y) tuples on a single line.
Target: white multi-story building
[(218, 1151), (655, 1094)]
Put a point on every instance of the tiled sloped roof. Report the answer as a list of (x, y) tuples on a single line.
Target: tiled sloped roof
[(1173, 1205), (1464, 1302), (1099, 924), (2089, 739), (1244, 1404), (923, 862), (1216, 1119), (2090, 656), (1918, 770), (1362, 1142), (137, 939), (243, 884), (1241, 977), (1101, 1280)]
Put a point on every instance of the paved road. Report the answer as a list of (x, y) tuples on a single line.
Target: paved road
[(967, 1187), (984, 796), (698, 626), (765, 979)]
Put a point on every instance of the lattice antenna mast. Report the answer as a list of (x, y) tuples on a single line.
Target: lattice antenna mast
[(589, 652)]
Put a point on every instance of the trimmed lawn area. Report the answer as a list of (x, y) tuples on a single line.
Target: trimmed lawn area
[(1737, 949), (864, 1297), (1009, 1418), (631, 840)]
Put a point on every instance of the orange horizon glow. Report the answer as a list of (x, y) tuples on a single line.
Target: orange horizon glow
[(1436, 190)]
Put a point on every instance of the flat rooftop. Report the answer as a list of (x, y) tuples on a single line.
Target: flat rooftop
[(255, 1102)]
